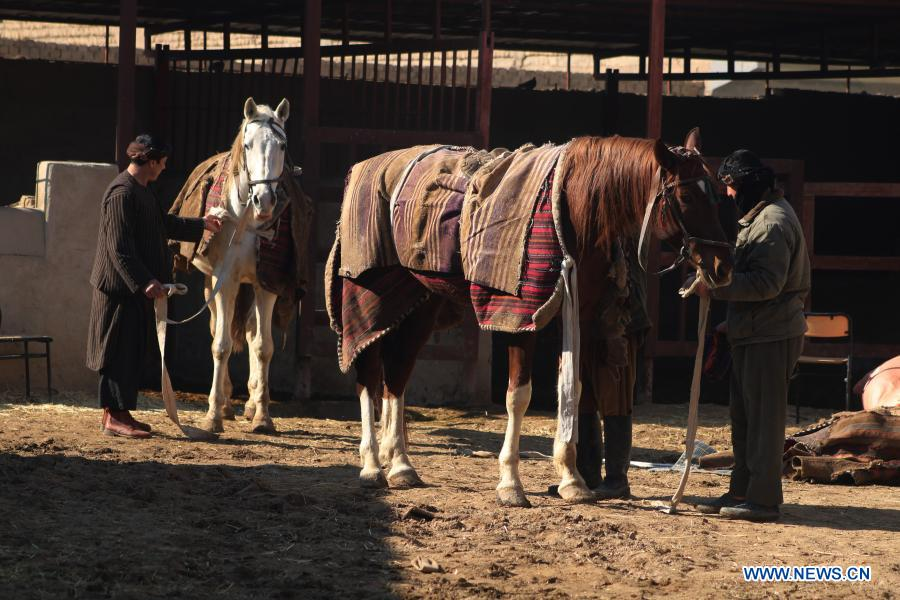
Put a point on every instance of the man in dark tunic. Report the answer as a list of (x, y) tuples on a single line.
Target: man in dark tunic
[(130, 267)]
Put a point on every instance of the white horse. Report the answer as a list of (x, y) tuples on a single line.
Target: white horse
[(257, 157)]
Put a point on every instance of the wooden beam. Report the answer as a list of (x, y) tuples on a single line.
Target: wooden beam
[(312, 66), (125, 106), (655, 79)]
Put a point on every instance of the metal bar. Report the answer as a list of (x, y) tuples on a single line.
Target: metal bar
[(397, 92), (336, 50), (655, 78), (430, 90), (453, 94), (374, 106), (468, 125), (126, 77), (442, 90), (49, 378), (409, 89), (106, 47), (762, 76), (419, 93), (27, 372)]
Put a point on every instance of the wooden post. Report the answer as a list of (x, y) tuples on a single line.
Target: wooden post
[(312, 66), (125, 108), (655, 78)]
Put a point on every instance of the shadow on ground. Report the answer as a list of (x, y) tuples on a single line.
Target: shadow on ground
[(94, 528)]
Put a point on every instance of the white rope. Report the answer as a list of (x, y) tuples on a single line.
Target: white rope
[(161, 306), (693, 407), (569, 385)]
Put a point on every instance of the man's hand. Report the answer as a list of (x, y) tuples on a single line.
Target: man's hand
[(211, 223), (154, 290)]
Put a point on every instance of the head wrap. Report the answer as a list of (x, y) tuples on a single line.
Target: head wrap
[(146, 147), (745, 172)]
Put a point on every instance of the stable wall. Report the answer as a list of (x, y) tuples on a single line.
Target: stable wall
[(46, 255)]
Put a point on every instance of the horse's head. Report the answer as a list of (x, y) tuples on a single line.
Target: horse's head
[(687, 202), (264, 144)]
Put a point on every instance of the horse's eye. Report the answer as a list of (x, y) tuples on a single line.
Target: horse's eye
[(281, 146)]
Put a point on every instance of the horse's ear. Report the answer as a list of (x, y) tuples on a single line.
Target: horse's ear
[(692, 141), (283, 110), (665, 158), (250, 110)]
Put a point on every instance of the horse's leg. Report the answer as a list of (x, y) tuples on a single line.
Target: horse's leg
[(227, 410), (518, 395), (368, 387), (261, 350), (221, 350), (399, 352), (250, 331)]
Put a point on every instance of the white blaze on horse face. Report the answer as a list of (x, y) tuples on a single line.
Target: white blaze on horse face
[(264, 151)]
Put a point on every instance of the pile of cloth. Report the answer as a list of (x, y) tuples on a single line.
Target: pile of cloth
[(854, 448)]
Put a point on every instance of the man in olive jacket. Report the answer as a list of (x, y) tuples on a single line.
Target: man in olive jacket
[(765, 326), (132, 260)]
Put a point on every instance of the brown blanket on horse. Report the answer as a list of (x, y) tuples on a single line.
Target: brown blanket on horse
[(281, 262), (447, 204)]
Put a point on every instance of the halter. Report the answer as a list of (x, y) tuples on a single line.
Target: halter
[(278, 130), (666, 192)]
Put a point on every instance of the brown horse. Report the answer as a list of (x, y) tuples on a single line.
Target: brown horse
[(606, 188)]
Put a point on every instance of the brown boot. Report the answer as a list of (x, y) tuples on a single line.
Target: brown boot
[(137, 424), (116, 423)]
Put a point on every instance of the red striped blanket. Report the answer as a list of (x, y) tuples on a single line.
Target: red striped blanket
[(364, 309)]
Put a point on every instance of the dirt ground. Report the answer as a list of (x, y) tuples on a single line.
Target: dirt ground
[(87, 516)]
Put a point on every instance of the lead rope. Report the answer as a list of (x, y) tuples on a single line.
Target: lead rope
[(161, 308), (693, 407)]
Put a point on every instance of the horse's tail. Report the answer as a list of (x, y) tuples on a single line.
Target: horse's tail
[(242, 306)]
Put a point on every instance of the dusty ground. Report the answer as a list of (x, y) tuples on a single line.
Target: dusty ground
[(87, 516)]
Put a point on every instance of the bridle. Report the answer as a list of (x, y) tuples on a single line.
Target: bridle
[(281, 136), (666, 193)]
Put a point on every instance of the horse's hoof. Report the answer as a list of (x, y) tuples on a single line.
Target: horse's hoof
[(405, 478), (212, 425), (575, 494), (228, 414), (372, 479), (512, 496), (265, 428)]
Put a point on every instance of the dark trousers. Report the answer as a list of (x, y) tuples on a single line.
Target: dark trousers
[(760, 377), (120, 377)]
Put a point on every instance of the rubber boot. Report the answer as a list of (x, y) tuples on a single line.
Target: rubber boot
[(589, 449), (617, 447)]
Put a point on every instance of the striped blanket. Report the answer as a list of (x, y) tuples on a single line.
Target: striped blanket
[(363, 309)]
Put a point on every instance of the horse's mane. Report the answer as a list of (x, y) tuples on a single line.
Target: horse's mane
[(607, 182)]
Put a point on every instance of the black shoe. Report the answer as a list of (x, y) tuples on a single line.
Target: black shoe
[(609, 490), (713, 507), (748, 511)]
